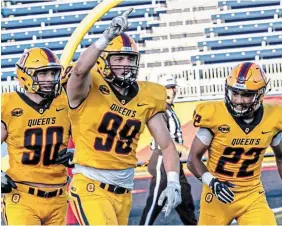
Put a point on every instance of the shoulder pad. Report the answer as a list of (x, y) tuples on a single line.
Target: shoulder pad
[(203, 115)]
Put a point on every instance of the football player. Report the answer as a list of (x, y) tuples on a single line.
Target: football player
[(109, 111), (236, 132), (36, 127)]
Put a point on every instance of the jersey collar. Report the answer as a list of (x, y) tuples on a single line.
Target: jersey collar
[(40, 108)]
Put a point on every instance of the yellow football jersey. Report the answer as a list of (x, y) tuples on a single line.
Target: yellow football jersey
[(36, 133), (106, 129), (237, 149)]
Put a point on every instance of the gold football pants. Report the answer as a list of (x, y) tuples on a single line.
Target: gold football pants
[(248, 208), (94, 205), (27, 205)]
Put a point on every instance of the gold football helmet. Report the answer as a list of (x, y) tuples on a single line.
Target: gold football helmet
[(34, 60), (121, 45), (247, 79)]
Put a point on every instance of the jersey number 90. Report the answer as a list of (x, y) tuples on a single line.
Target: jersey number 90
[(33, 140)]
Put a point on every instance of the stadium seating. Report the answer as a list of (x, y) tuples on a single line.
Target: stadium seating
[(239, 4), (57, 7), (251, 31), (243, 55), (54, 44), (10, 63), (70, 18), (241, 42), (244, 29), (247, 15), (63, 31)]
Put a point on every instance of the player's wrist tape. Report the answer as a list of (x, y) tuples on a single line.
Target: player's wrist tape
[(101, 43), (207, 178), (173, 176)]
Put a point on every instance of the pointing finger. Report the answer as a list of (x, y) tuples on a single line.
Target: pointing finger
[(127, 12)]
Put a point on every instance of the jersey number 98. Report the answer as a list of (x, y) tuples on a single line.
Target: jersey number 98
[(110, 126)]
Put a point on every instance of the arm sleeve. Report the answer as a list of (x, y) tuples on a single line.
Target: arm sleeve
[(205, 136), (277, 139)]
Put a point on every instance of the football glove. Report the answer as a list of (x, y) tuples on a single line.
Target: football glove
[(7, 183), (65, 157), (118, 25), (172, 194), (221, 190)]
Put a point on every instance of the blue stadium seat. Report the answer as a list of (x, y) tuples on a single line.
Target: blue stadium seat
[(7, 74), (19, 48), (54, 45), (237, 56), (27, 2), (247, 16), (69, 19), (63, 7), (10, 62), (247, 4), (240, 42), (243, 29), (64, 32)]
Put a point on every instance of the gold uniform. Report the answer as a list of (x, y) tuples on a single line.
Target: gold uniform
[(36, 133), (235, 155), (106, 130)]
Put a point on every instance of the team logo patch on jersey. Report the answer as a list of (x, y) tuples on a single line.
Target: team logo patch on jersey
[(104, 89), (90, 187), (209, 197), (224, 128), (17, 112), (16, 198)]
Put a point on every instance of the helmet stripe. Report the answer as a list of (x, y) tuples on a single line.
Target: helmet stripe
[(244, 71), (125, 40), (50, 55)]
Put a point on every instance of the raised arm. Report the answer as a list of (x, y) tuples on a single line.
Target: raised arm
[(79, 81)]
